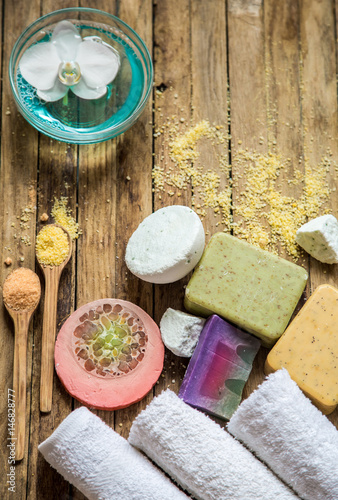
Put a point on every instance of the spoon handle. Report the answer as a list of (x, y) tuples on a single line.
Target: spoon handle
[(21, 322), (52, 277)]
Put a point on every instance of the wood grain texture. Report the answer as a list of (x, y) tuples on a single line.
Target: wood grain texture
[(56, 178), (19, 156), (280, 62), (282, 69), (319, 107), (172, 105), (209, 70), (284, 115), (248, 113), (118, 185), (21, 320), (134, 192), (96, 248)]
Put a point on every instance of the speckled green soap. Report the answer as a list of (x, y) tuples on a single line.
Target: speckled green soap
[(250, 287)]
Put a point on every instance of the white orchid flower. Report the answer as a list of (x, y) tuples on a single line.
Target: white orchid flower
[(67, 61)]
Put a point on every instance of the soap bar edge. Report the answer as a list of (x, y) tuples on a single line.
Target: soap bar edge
[(268, 368)]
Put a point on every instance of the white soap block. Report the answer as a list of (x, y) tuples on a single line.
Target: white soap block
[(167, 245), (180, 332), (319, 238)]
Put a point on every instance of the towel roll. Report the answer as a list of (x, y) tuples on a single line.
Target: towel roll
[(102, 464), (281, 425), (202, 457)]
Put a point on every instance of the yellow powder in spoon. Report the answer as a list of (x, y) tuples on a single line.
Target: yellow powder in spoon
[(52, 246), (21, 290)]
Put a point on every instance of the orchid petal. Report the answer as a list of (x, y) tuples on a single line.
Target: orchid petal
[(82, 90), (55, 93), (39, 65), (99, 64), (66, 39)]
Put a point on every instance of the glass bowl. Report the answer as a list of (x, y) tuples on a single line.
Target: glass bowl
[(73, 119)]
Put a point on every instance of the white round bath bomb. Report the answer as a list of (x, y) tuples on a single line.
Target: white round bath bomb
[(167, 245)]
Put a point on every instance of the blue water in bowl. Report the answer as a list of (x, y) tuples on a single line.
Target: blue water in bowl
[(74, 115)]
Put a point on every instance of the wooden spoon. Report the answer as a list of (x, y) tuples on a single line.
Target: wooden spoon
[(52, 277), (21, 319)]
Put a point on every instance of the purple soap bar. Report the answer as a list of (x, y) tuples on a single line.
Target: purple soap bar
[(219, 368)]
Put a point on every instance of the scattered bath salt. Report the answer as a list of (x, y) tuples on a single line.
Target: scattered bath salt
[(260, 201), (262, 214), (8, 261), (62, 215), (183, 151), (44, 217), (26, 240), (25, 217), (183, 147)]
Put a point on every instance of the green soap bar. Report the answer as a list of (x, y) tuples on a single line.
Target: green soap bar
[(250, 287)]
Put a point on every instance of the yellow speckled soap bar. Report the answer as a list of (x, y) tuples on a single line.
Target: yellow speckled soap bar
[(309, 349), (250, 287)]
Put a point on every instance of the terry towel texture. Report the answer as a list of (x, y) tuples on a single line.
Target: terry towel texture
[(281, 425), (103, 465), (202, 457)]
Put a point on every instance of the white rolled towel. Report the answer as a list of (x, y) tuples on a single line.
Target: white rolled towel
[(202, 457), (281, 425), (102, 464)]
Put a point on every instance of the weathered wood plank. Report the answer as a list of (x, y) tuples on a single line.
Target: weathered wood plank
[(319, 109), (134, 192), (285, 133), (96, 251), (247, 74), (285, 127), (279, 103), (210, 102), (247, 109), (18, 191), (125, 184), (96, 245), (57, 171), (172, 105), (57, 178)]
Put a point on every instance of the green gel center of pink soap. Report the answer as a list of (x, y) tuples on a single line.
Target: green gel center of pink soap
[(109, 341), (219, 368)]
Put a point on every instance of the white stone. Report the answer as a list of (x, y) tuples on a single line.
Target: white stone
[(180, 332), (319, 238), (167, 245)]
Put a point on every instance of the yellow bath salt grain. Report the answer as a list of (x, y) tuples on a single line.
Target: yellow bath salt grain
[(259, 212), (183, 151), (183, 148), (260, 200), (25, 217), (62, 215), (52, 246)]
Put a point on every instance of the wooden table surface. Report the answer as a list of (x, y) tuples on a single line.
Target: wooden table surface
[(264, 72)]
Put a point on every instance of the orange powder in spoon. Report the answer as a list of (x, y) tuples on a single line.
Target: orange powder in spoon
[(21, 290)]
